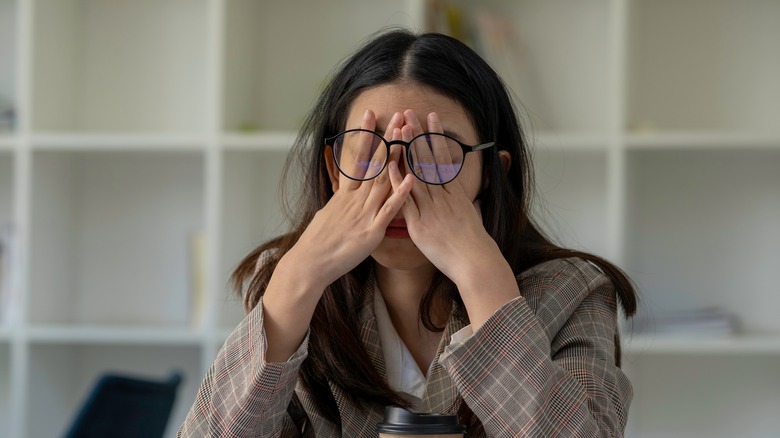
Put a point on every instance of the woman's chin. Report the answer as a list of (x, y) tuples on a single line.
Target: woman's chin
[(399, 254)]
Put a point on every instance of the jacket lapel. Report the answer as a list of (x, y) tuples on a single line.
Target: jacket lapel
[(441, 396), (354, 421)]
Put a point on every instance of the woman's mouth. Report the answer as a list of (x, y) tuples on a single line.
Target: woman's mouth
[(397, 229)]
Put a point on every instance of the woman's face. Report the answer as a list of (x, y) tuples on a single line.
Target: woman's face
[(397, 251)]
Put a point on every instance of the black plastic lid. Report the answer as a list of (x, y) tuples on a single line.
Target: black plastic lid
[(400, 421)]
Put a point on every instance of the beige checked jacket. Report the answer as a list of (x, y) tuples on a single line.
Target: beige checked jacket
[(542, 366)]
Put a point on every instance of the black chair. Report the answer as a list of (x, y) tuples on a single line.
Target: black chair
[(126, 407)]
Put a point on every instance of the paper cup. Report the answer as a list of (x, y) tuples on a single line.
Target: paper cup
[(400, 422)]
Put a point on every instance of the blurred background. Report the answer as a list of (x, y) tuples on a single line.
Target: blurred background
[(141, 145)]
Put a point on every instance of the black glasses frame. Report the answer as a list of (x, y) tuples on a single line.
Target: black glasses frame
[(466, 149)]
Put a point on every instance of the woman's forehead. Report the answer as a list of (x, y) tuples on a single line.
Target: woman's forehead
[(386, 100)]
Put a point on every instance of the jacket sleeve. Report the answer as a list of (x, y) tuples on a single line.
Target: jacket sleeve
[(544, 363), (242, 395)]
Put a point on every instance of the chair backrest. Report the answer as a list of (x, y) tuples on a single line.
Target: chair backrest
[(126, 407)]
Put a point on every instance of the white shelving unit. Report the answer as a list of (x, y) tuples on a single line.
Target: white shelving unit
[(140, 124)]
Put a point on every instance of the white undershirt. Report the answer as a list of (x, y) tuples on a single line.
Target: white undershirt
[(403, 373)]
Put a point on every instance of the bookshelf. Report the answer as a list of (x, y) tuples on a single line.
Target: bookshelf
[(139, 124)]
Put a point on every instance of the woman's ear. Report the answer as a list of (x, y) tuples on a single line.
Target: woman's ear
[(506, 163), (506, 160), (333, 171)]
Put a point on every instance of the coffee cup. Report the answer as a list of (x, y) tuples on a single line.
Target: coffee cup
[(400, 422)]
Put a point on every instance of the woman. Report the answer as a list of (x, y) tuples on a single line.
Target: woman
[(413, 274)]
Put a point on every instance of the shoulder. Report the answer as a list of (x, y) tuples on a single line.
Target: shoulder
[(574, 271), (556, 289)]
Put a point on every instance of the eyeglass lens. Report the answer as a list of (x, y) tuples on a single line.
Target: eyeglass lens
[(433, 158)]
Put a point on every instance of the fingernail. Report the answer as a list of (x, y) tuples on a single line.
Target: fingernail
[(433, 118), (367, 115)]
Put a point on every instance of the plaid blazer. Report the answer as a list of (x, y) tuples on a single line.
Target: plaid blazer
[(542, 366)]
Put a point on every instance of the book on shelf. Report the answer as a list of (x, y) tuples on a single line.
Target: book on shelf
[(704, 322), (9, 295), (489, 33)]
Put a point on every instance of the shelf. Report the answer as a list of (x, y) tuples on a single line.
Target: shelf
[(66, 141), (703, 140), (273, 73), (737, 345), (722, 76), (119, 66), (266, 141), (104, 334), (110, 236), (652, 124), (569, 142)]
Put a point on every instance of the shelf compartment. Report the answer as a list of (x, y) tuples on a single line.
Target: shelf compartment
[(562, 79), (119, 66), (572, 194), (8, 66), (251, 215), (697, 397), (61, 376), (274, 72), (702, 232), (721, 76), (110, 237)]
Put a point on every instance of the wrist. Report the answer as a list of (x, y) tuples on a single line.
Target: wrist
[(302, 272), (485, 286)]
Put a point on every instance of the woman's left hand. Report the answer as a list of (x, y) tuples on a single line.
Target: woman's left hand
[(446, 226)]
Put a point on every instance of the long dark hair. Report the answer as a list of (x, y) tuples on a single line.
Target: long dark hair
[(336, 353)]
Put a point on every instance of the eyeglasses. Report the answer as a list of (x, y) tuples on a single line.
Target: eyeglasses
[(433, 158)]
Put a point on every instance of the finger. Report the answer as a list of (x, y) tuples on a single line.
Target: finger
[(419, 191), (361, 153), (409, 209), (395, 122), (402, 187), (424, 165), (447, 154)]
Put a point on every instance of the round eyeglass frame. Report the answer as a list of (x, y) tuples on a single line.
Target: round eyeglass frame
[(407, 145)]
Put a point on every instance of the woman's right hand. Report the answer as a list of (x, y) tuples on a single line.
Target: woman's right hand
[(353, 222), (340, 236)]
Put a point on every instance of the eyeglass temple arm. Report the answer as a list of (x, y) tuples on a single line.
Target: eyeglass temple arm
[(479, 147)]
